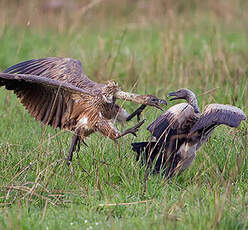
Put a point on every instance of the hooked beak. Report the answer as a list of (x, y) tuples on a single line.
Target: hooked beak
[(175, 96), (160, 102)]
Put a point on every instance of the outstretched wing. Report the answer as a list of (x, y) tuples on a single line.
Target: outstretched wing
[(217, 114), (173, 120), (47, 100), (65, 70)]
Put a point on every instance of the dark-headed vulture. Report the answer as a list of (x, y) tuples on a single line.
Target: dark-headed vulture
[(181, 131), (57, 92)]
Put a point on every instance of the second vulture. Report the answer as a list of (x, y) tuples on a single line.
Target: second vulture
[(181, 131), (57, 92)]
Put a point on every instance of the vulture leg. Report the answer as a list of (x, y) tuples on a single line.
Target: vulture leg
[(106, 128), (75, 142), (78, 144), (137, 113), (132, 130)]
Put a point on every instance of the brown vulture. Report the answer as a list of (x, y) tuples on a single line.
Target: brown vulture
[(181, 131), (57, 92)]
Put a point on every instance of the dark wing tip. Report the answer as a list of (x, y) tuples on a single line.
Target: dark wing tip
[(11, 79), (158, 127), (39, 66), (217, 114)]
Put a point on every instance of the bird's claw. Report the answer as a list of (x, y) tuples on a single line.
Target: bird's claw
[(132, 130), (137, 113), (135, 129)]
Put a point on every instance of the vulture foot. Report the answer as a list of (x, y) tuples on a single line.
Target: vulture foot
[(75, 141), (137, 113), (132, 130)]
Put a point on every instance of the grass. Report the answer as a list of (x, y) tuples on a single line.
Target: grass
[(106, 188)]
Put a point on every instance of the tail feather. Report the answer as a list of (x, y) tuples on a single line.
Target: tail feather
[(150, 154), (153, 155), (139, 148)]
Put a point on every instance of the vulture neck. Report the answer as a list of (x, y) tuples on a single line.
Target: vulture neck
[(191, 99), (130, 97)]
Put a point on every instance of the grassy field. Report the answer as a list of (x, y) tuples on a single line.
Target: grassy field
[(146, 49)]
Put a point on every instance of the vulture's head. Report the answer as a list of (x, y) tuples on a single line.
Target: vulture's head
[(154, 101), (181, 94), (186, 94)]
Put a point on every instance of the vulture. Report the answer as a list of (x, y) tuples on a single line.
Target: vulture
[(57, 92), (180, 131)]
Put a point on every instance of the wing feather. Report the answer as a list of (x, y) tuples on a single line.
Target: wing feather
[(173, 118), (47, 100), (65, 70), (16, 81), (217, 114), (57, 118)]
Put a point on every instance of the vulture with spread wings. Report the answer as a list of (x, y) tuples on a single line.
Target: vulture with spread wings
[(181, 131), (57, 92)]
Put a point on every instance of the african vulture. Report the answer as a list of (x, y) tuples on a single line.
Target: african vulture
[(57, 92), (181, 131)]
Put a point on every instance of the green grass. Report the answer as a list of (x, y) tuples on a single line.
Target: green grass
[(106, 188)]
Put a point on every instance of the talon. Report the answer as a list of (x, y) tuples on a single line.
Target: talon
[(132, 130), (84, 143), (137, 113), (141, 123)]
